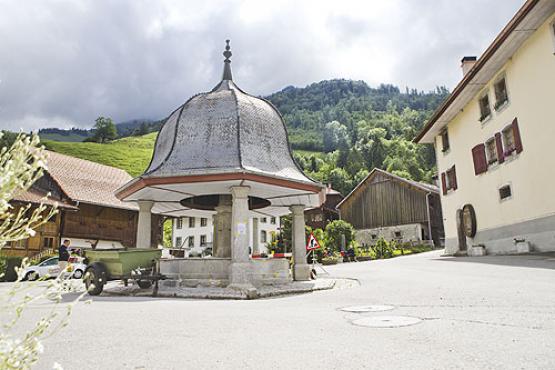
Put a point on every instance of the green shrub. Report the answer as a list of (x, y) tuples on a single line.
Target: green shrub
[(7, 267), (383, 249), (334, 231), (330, 260)]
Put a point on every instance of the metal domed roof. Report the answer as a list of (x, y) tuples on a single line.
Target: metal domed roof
[(217, 140), (224, 130)]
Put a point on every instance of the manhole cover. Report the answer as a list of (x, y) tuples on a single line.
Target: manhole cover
[(387, 321), (371, 308)]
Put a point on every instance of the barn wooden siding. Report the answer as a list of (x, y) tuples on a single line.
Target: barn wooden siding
[(96, 222), (382, 202)]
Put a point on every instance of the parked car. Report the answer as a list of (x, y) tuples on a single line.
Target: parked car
[(50, 267)]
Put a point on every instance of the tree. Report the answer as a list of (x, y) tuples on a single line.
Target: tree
[(104, 130), (336, 136), (334, 232)]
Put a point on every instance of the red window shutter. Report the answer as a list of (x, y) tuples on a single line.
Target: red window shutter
[(499, 145), (479, 158), (454, 178), (516, 134), (443, 183)]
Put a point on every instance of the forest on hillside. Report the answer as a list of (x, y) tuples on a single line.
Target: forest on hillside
[(339, 131), (342, 129)]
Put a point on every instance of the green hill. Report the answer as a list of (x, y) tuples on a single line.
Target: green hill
[(339, 130), (131, 154)]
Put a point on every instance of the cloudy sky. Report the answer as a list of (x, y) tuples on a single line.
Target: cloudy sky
[(64, 63)]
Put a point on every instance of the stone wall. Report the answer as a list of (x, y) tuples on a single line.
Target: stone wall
[(411, 232), (215, 271)]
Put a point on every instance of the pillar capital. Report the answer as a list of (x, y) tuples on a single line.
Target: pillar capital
[(145, 205), (239, 192), (297, 209)]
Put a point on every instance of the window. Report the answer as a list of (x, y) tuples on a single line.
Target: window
[(444, 140), (553, 33), (491, 151), (191, 222), (449, 180), (485, 110), (501, 96), (263, 236), (203, 240), (19, 244), (179, 223), (273, 220), (203, 222), (374, 236), (48, 243), (398, 235), (505, 192), (264, 220), (508, 140), (178, 242), (191, 241), (50, 262)]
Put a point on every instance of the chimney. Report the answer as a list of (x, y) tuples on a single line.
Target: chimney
[(467, 63)]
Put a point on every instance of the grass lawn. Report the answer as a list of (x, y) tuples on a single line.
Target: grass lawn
[(131, 154), (308, 153)]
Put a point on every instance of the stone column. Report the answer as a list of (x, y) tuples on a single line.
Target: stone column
[(255, 238), (241, 268), (301, 269), (144, 224), (222, 228)]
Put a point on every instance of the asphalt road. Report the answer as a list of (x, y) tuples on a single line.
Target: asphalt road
[(477, 313)]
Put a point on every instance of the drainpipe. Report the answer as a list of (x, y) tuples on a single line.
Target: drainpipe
[(429, 220)]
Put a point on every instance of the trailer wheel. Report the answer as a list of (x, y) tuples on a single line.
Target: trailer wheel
[(144, 284), (95, 278)]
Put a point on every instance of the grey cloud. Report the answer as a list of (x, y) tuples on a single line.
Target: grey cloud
[(64, 63)]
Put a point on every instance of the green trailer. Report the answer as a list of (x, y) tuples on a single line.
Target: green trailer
[(140, 265)]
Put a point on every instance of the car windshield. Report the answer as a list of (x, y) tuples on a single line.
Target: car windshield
[(49, 262)]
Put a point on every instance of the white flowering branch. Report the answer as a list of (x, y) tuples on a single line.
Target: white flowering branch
[(20, 166)]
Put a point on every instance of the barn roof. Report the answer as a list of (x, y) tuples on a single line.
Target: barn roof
[(88, 182), (36, 196), (414, 184)]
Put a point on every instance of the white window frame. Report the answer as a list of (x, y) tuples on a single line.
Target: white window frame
[(488, 156), (441, 133), (482, 95), (178, 241), (506, 155), (191, 241), (192, 222), (179, 223), (499, 77)]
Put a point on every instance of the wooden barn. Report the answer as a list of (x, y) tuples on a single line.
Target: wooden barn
[(89, 213), (389, 206)]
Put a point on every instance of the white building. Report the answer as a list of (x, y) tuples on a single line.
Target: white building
[(493, 138), (191, 232)]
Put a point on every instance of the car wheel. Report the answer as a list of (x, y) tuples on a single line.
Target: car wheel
[(31, 276), (78, 274)]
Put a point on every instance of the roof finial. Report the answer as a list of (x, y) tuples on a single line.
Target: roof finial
[(227, 62)]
